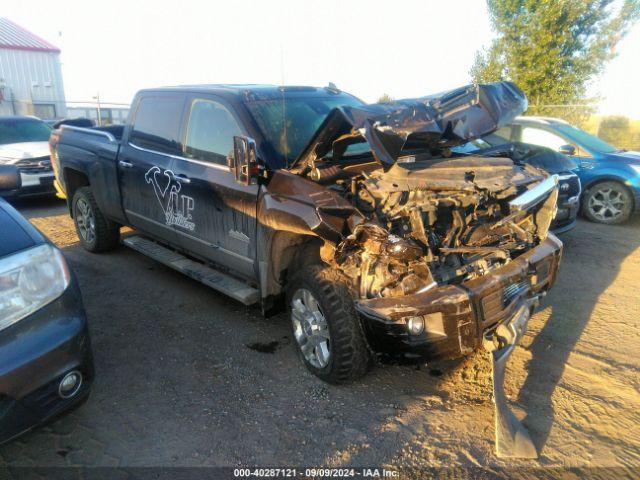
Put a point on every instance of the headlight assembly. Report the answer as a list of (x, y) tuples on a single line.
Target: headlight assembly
[(29, 280)]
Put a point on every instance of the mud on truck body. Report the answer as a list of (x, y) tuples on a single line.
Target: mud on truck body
[(376, 237)]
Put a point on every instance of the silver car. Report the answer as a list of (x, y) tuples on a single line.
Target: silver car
[(24, 142)]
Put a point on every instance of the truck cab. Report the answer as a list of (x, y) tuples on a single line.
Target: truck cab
[(172, 169)]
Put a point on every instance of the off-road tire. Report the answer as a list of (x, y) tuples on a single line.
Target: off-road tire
[(350, 357), (107, 234), (594, 189)]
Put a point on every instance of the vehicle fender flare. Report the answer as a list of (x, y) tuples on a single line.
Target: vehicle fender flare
[(281, 251), (74, 177)]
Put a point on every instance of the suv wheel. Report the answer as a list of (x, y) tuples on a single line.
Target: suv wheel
[(607, 202), (96, 233), (326, 328)]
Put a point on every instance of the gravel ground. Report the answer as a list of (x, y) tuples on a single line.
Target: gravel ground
[(180, 382)]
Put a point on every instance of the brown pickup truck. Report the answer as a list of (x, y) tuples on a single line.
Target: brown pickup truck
[(359, 219)]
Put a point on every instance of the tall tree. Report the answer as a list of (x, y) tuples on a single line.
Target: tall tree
[(553, 48), (385, 98)]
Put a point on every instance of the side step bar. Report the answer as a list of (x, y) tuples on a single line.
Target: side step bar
[(211, 277)]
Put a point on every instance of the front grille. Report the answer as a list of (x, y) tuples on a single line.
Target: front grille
[(35, 165), (43, 399), (568, 185), (496, 305), (513, 291)]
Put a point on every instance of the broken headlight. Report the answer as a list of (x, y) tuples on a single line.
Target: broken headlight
[(29, 280)]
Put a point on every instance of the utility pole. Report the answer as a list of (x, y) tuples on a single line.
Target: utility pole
[(97, 98)]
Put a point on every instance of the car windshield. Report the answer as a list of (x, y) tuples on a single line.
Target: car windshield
[(585, 140), (22, 130), (289, 132)]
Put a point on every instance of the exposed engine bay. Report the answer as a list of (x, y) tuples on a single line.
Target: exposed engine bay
[(428, 218), (438, 221), (407, 222)]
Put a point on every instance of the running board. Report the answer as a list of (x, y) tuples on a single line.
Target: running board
[(211, 277)]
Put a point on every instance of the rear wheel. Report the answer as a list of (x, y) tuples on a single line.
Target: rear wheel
[(607, 202), (95, 232), (326, 328)]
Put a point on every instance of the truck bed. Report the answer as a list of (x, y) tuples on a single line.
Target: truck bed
[(91, 153)]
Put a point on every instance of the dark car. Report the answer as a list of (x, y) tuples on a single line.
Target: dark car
[(555, 163), (610, 176), (46, 364), (24, 142)]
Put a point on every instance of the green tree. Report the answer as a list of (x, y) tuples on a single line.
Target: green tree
[(553, 48), (385, 98), (615, 129)]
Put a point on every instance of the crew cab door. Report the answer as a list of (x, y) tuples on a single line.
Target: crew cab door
[(223, 212), (150, 190)]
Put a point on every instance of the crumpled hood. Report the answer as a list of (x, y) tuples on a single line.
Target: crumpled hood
[(12, 152), (433, 122), (536, 155)]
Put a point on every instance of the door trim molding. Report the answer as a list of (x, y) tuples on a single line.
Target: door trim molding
[(216, 166)]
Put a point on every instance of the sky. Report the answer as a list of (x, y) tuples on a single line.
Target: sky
[(402, 48)]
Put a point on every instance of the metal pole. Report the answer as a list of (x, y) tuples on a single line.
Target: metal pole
[(97, 97)]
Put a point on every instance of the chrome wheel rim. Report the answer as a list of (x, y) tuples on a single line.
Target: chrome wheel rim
[(310, 328), (85, 220), (607, 204)]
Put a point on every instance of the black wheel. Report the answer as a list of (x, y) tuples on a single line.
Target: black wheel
[(96, 233), (607, 202), (326, 329)]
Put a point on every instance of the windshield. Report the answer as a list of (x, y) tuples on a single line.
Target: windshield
[(585, 140), (22, 130), (289, 132)]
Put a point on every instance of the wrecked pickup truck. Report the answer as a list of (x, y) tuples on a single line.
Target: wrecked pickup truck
[(359, 219)]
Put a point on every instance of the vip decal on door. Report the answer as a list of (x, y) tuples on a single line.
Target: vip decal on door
[(177, 207)]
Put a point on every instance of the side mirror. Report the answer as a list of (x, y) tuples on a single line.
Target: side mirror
[(10, 180), (567, 150), (243, 162)]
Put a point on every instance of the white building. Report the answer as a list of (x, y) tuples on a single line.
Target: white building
[(30, 74)]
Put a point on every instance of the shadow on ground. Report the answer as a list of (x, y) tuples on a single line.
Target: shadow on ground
[(593, 255)]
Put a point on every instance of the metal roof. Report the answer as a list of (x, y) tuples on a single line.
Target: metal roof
[(14, 37), (252, 92)]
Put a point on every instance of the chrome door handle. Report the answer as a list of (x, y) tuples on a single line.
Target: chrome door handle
[(124, 164), (183, 179)]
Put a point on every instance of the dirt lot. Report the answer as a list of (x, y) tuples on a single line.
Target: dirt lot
[(180, 383)]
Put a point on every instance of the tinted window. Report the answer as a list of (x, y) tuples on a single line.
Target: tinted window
[(157, 124), (19, 130), (584, 139), (210, 132), (288, 126)]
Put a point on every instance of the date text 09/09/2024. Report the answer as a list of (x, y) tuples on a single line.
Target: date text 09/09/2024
[(314, 473)]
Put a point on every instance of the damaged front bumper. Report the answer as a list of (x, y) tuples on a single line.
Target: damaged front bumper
[(492, 311), (451, 321)]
